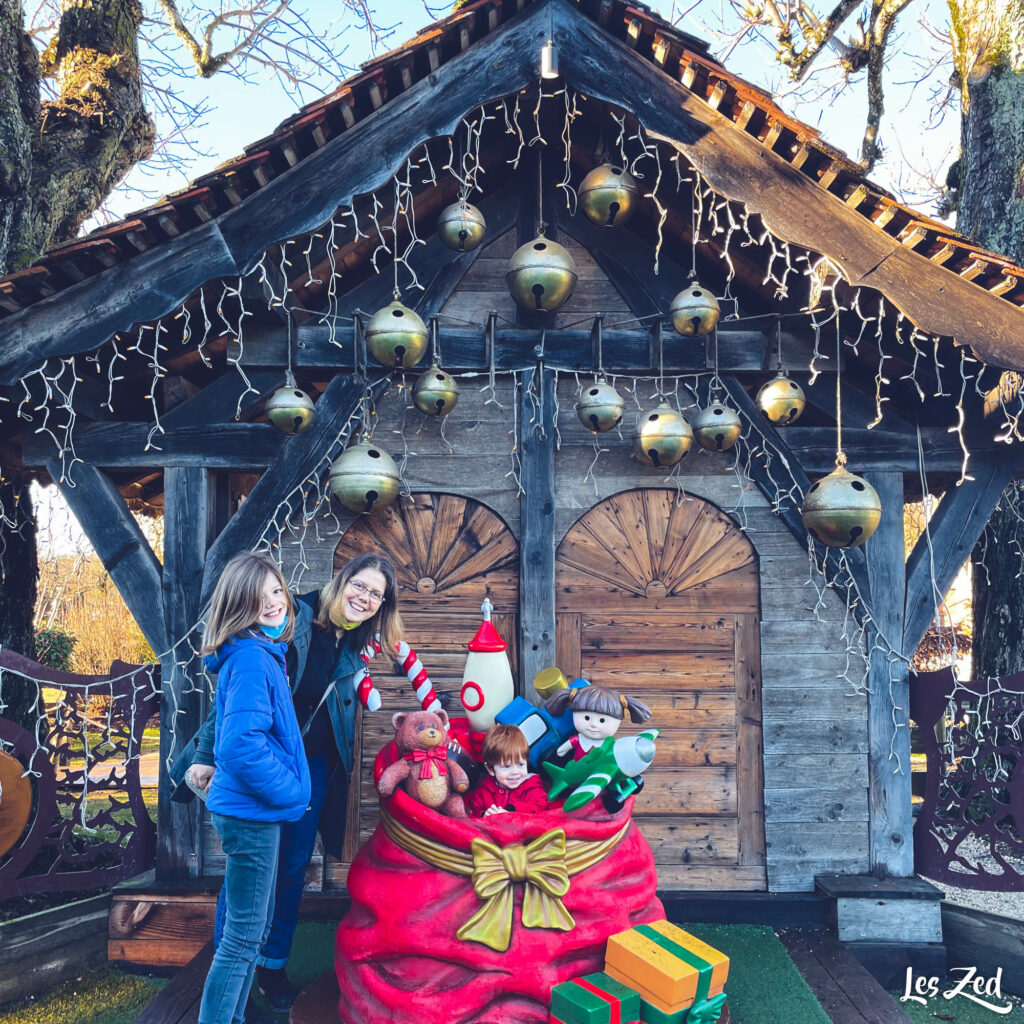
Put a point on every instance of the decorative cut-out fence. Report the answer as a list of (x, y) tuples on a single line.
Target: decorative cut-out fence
[(968, 832), (72, 807)]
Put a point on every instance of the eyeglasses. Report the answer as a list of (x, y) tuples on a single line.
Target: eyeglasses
[(363, 590)]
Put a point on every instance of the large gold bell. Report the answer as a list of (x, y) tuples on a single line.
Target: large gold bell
[(289, 408), (608, 195), (662, 437), (599, 406), (694, 310), (541, 275), (435, 392), (717, 428), (841, 510), (396, 336), (461, 227), (364, 477), (781, 400)]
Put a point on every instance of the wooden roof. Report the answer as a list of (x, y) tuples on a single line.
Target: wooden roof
[(79, 294)]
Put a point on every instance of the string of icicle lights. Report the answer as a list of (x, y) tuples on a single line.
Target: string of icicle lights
[(310, 270)]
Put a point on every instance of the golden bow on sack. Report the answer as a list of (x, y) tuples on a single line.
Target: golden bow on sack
[(540, 866)]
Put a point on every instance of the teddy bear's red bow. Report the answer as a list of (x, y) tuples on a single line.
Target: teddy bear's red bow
[(437, 755)]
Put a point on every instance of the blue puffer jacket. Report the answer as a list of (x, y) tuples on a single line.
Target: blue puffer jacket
[(262, 773)]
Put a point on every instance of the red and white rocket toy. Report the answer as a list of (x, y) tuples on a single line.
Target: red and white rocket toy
[(487, 684)]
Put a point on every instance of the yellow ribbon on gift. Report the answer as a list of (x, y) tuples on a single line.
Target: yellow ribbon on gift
[(540, 866), (543, 866)]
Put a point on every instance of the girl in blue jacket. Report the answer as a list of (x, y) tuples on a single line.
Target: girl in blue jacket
[(262, 777)]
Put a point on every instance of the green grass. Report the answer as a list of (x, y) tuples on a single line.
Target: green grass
[(106, 995)]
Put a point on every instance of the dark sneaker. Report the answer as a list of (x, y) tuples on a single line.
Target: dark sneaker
[(255, 1014), (275, 987)]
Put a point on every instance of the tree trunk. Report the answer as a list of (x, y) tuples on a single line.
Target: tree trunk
[(19, 572), (58, 161), (988, 53)]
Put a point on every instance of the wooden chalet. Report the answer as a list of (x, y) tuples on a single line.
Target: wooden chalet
[(784, 751)]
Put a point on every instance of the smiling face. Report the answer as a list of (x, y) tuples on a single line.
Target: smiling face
[(274, 602), (362, 595), (594, 726), (511, 775)]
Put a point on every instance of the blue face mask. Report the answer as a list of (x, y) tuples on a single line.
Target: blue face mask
[(274, 631)]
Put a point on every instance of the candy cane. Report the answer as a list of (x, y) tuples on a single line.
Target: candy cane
[(369, 695)]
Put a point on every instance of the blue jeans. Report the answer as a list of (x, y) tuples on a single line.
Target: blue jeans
[(297, 841), (251, 849)]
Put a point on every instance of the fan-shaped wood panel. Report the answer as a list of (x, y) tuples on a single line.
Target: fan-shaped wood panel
[(658, 598), (449, 553)]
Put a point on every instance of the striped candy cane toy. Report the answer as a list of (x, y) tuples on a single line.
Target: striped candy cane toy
[(369, 695)]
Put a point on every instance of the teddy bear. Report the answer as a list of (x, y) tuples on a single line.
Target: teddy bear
[(426, 770)]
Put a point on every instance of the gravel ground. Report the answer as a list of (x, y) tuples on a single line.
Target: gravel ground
[(1007, 904)]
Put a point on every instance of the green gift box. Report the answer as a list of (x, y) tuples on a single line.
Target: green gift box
[(595, 999)]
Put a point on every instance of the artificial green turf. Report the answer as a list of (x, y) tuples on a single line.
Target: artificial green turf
[(764, 985), (106, 995)]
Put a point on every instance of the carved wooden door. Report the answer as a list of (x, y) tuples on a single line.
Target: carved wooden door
[(450, 553), (658, 598)]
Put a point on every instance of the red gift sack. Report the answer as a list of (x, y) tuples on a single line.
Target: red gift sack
[(475, 921)]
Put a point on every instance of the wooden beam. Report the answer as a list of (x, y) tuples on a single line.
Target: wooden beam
[(299, 457), (537, 509), (890, 823), (299, 200), (792, 206), (241, 446), (955, 528), (119, 543), (187, 519), (464, 348), (218, 401)]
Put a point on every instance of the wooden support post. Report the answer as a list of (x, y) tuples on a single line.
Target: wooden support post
[(954, 529), (119, 543), (187, 520), (891, 849), (537, 548)]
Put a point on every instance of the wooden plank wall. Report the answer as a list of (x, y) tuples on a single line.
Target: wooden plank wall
[(815, 730), (814, 726)]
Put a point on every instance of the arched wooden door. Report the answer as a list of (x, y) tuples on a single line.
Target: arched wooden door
[(450, 553), (658, 598)]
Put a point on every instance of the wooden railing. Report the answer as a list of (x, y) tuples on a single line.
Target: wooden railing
[(72, 806)]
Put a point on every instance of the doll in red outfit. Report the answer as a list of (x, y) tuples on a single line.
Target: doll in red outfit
[(509, 785)]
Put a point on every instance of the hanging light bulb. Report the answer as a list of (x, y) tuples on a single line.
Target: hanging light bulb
[(549, 60)]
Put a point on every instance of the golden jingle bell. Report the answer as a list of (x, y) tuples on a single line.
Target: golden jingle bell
[(396, 336), (364, 477), (841, 510), (541, 275), (599, 406), (780, 400), (435, 392), (662, 437), (461, 227), (608, 195), (290, 409), (717, 428), (694, 311)]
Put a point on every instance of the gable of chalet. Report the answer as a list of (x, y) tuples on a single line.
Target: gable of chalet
[(805, 192)]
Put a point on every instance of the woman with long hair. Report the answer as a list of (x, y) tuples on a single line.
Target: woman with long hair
[(338, 630)]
